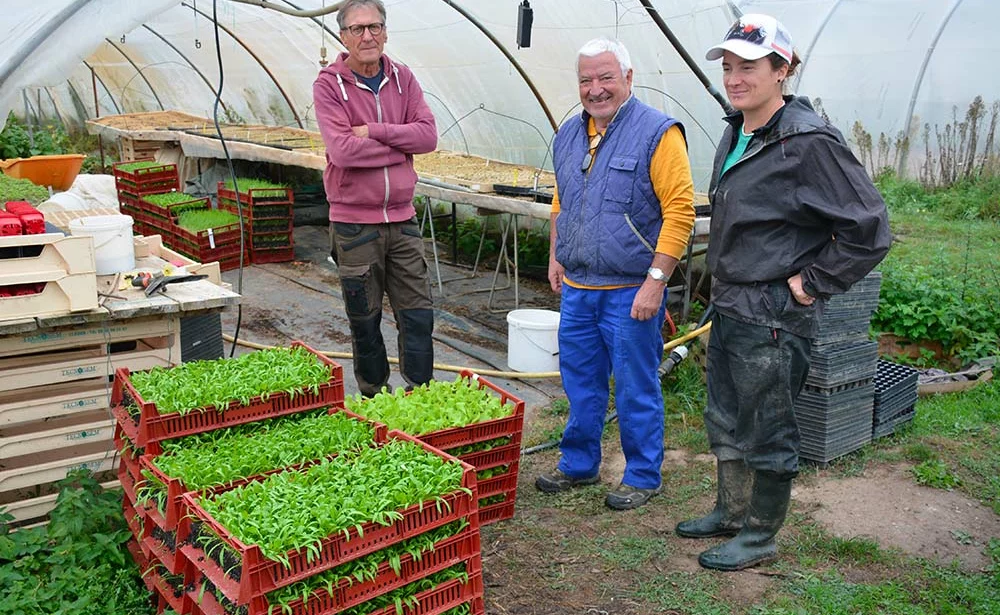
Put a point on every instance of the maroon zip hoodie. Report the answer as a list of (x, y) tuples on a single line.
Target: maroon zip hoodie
[(371, 181)]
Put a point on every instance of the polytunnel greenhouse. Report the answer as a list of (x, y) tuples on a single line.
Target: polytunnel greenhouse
[(430, 307), (892, 66)]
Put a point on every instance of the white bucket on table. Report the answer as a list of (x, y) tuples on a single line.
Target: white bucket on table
[(114, 251), (533, 340)]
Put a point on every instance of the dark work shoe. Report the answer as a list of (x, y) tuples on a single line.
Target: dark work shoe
[(556, 481), (625, 497)]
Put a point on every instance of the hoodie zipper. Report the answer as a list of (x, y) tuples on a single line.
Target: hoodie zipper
[(385, 170)]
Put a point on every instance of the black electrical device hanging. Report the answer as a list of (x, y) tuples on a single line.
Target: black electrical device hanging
[(524, 18)]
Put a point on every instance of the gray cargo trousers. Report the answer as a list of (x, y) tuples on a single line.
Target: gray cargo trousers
[(379, 259), (755, 373)]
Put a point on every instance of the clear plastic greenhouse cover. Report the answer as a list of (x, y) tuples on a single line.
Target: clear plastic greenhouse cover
[(890, 68)]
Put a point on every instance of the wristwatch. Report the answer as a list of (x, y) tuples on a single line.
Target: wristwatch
[(657, 274)]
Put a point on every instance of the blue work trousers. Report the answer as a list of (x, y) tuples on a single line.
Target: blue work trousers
[(598, 337)]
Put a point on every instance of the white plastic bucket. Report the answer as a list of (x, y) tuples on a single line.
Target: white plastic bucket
[(533, 340), (114, 251)]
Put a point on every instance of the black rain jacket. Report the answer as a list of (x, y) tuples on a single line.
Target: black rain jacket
[(797, 201)]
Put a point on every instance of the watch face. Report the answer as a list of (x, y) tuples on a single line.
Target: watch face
[(656, 274)]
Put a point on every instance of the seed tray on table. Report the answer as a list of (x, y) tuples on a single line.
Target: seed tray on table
[(257, 575), (463, 547), (151, 426), (169, 519)]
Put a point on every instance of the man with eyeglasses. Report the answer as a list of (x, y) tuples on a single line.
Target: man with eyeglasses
[(373, 118), (620, 222)]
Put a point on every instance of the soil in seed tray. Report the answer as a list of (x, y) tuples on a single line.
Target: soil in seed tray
[(169, 539), (224, 558)]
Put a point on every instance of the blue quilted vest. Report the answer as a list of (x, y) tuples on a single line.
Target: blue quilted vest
[(609, 219)]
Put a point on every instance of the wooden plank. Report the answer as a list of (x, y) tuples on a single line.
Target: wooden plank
[(48, 368), (58, 434), (52, 471), (496, 203), (86, 335), (36, 508), (18, 407)]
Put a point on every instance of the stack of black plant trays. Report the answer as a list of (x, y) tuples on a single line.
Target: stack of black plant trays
[(834, 410), (895, 397)]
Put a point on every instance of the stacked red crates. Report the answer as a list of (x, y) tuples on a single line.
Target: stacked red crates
[(20, 218), (501, 461), (268, 215), (242, 582), (221, 244), (32, 221), (135, 179), (139, 434)]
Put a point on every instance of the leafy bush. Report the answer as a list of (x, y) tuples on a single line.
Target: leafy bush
[(975, 198), (925, 303), (15, 142), (77, 562)]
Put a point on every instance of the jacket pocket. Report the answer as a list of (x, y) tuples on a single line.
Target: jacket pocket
[(621, 179), (638, 235)]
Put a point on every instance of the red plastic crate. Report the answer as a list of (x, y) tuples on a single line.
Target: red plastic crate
[(501, 483), (261, 212), (165, 594), (17, 207), (510, 426), (134, 520), (171, 211), (259, 575), (223, 235), (154, 427), (445, 596), (173, 510), (221, 253), (149, 176), (257, 196), (138, 556), (463, 547), (499, 456), (279, 255), (499, 511), (9, 224), (173, 560)]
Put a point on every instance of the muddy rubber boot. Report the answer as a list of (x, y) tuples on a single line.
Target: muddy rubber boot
[(726, 519), (765, 516)]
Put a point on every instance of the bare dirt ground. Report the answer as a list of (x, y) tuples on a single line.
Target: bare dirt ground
[(888, 507)]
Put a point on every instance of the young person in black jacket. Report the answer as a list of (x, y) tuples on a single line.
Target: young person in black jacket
[(795, 219)]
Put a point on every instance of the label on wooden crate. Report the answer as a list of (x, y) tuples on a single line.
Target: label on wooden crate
[(85, 335)]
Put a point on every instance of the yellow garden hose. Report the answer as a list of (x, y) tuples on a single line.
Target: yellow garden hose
[(336, 354)]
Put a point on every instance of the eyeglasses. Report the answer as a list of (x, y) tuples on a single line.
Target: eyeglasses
[(588, 159), (359, 29)]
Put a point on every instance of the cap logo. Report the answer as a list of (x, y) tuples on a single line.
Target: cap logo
[(751, 33)]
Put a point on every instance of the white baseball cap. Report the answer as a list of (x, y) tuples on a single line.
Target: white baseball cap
[(754, 36)]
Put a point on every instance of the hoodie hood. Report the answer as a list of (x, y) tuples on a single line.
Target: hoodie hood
[(345, 77)]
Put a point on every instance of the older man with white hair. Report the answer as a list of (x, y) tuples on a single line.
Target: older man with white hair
[(620, 222)]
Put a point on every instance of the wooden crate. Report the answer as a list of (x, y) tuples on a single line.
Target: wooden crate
[(47, 471), (71, 293), (47, 436), (24, 406), (36, 508), (89, 334), (84, 362), (152, 245), (50, 256)]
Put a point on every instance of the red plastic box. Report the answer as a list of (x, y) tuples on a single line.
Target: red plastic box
[(259, 575), (154, 427)]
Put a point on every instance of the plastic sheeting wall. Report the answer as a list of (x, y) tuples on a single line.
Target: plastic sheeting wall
[(864, 61)]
